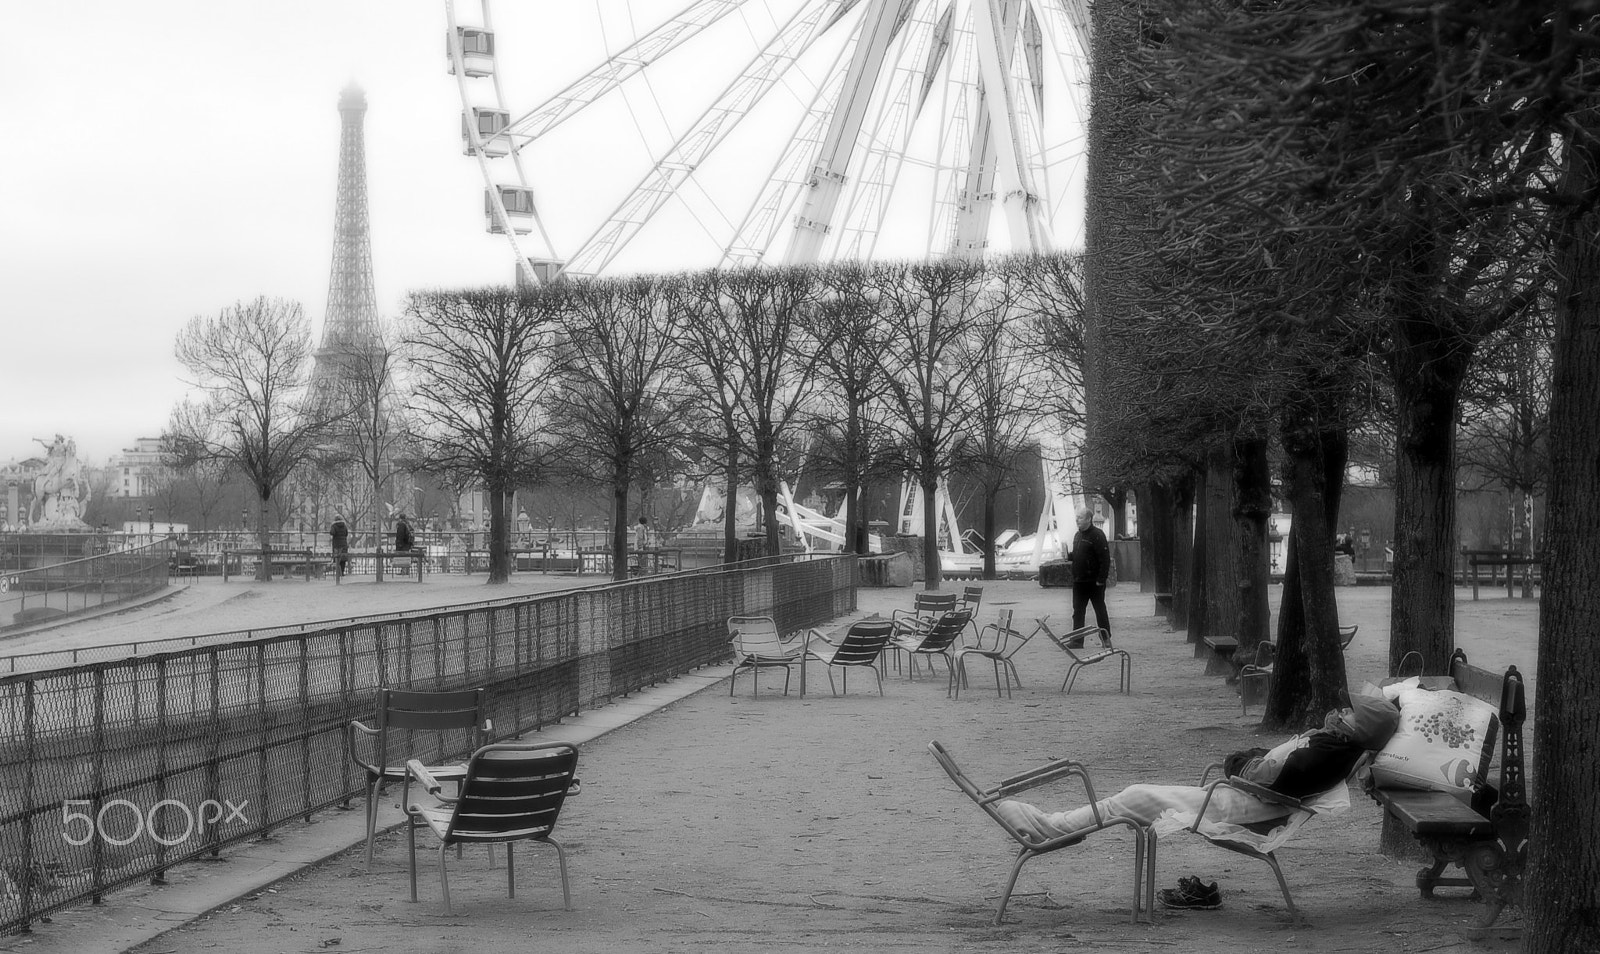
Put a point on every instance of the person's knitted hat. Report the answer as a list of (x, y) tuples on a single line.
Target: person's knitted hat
[(1370, 720)]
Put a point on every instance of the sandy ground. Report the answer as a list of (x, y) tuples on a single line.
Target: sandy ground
[(783, 823)]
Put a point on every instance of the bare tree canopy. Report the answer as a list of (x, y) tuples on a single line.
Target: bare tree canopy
[(751, 331), (251, 362), (481, 361), (619, 394)]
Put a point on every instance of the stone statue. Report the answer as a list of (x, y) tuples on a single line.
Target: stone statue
[(60, 493)]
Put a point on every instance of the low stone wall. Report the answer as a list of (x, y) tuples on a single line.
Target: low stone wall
[(888, 569)]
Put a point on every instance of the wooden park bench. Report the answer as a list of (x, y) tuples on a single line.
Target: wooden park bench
[(1494, 559), (417, 559), (1218, 651), (1487, 839), (288, 562)]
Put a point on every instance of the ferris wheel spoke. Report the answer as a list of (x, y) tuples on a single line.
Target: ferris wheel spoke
[(883, 159), (783, 185), (611, 74), (956, 97), (1075, 13), (685, 155), (995, 43)]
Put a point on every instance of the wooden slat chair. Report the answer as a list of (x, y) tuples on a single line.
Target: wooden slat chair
[(458, 716), (757, 646), (511, 792), (862, 645), (1031, 846)]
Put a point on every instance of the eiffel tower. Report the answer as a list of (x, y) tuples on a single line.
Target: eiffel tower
[(351, 320), (340, 377)]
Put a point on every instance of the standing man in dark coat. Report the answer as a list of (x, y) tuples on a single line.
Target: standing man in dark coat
[(340, 532), (1091, 564)]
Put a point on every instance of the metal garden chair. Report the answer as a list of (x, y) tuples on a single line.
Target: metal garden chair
[(862, 645), (999, 649), (511, 792), (403, 711), (1032, 846)]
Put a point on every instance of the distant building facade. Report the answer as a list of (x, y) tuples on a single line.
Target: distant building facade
[(138, 471)]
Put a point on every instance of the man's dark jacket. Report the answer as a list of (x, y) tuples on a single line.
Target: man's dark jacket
[(1091, 557)]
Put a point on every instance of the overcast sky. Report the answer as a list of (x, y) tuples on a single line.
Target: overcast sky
[(162, 160)]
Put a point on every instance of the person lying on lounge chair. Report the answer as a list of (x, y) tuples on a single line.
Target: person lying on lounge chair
[(1302, 767)]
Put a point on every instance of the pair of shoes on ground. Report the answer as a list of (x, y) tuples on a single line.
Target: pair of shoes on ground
[(1191, 894)]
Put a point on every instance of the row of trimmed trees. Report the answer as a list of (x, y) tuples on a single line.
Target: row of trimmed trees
[(855, 373), (1308, 217)]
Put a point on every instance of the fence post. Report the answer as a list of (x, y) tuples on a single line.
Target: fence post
[(29, 782), (262, 736), (160, 874), (98, 775), (305, 718), (214, 753)]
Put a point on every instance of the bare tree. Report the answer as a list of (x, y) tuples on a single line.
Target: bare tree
[(849, 429), (481, 359), (619, 392), (373, 432), (1005, 396), (251, 362), (751, 332), (928, 311), (1505, 426)]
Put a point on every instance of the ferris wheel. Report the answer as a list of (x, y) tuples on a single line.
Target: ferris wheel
[(880, 127)]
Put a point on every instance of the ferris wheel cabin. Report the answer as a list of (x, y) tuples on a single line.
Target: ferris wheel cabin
[(477, 51), (518, 203), (490, 123), (539, 271)]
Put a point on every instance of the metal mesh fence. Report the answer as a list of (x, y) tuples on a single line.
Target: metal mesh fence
[(54, 585), (115, 771)]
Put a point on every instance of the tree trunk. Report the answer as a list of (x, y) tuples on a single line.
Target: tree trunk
[(1220, 611), (860, 533), (989, 518), (767, 485), (1196, 616), (1118, 499), (1252, 482), (851, 514), (932, 570), (1561, 908), (499, 535), (263, 539), (1182, 552), (619, 529), (1428, 367), (1155, 538), (730, 510), (1310, 663)]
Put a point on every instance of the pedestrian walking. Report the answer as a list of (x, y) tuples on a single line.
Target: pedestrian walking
[(340, 532), (1090, 561)]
